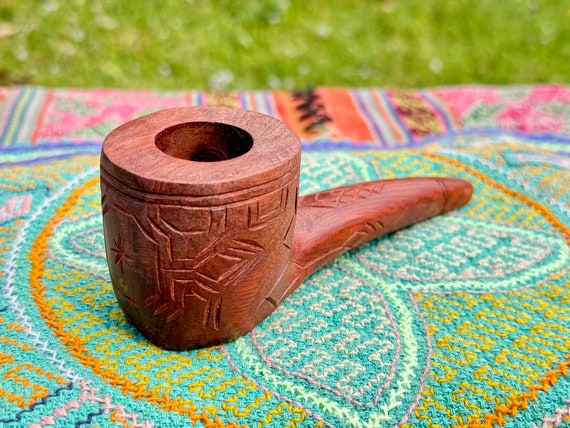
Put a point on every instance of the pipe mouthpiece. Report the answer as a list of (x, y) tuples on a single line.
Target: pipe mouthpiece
[(458, 193)]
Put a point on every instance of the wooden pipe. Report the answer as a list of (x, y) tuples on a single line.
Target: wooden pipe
[(205, 234)]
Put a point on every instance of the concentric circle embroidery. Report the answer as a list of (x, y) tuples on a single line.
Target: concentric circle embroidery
[(429, 324)]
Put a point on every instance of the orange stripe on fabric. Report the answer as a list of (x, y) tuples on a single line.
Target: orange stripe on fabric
[(189, 98), (251, 101), (349, 124), (74, 344), (551, 218)]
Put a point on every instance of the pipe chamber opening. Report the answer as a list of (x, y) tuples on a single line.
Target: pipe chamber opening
[(204, 141)]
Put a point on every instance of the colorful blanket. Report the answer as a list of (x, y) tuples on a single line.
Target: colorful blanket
[(463, 320)]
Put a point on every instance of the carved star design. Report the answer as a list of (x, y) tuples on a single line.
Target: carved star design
[(121, 253)]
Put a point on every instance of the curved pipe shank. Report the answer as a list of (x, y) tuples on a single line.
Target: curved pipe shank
[(333, 221)]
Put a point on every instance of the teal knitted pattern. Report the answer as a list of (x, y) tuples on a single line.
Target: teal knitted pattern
[(462, 320)]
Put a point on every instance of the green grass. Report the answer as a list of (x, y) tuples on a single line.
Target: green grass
[(256, 44)]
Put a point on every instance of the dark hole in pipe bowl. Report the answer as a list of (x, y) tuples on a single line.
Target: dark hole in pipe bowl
[(204, 141)]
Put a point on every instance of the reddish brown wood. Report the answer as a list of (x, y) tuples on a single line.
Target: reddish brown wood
[(205, 234)]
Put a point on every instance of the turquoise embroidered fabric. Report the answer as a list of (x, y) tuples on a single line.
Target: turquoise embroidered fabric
[(462, 320)]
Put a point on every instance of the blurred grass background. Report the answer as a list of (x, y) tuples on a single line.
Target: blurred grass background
[(283, 44)]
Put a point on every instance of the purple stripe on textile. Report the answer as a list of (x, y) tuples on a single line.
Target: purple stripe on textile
[(436, 105), (395, 115), (371, 122)]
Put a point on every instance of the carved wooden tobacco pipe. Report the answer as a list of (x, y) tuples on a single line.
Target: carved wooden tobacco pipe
[(205, 234)]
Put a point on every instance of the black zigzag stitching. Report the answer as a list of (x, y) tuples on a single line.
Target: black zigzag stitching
[(41, 402), (89, 419), (311, 109)]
